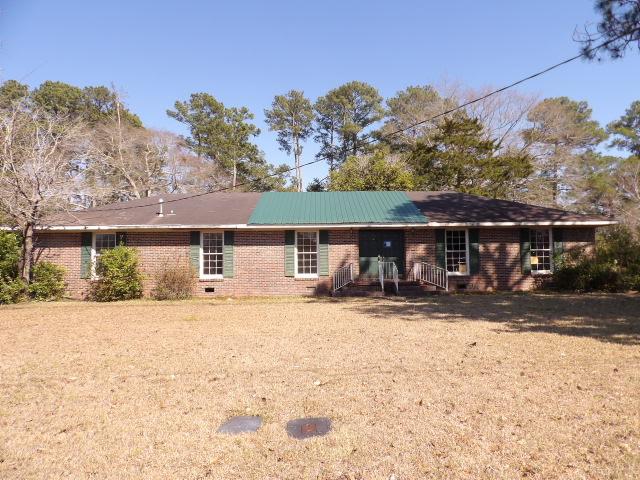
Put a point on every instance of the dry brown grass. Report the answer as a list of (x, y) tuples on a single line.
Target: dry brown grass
[(496, 386)]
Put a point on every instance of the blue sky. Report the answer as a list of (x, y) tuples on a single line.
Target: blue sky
[(245, 52)]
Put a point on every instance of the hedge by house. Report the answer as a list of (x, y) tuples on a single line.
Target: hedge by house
[(614, 268), (47, 281), (118, 276), (175, 283)]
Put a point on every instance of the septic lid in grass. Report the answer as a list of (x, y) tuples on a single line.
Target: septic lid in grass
[(241, 424), (308, 427)]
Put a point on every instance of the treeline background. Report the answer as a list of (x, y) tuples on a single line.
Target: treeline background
[(512, 145)]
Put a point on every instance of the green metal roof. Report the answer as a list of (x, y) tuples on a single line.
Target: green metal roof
[(318, 208)]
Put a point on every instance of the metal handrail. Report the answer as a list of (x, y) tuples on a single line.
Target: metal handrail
[(388, 270), (395, 277), (342, 277), (425, 272)]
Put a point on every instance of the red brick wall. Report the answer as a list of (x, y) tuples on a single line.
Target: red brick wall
[(579, 240), (259, 259), (63, 248), (419, 246), (500, 267)]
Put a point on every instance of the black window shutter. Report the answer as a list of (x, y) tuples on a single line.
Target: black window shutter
[(558, 246), (323, 253), (289, 253), (227, 262), (474, 251), (525, 251), (440, 250), (194, 250), (85, 254)]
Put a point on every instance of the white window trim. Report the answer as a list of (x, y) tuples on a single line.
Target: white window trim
[(466, 244), (201, 269), (94, 276), (542, 272), (295, 255)]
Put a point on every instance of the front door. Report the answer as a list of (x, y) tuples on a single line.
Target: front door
[(387, 244)]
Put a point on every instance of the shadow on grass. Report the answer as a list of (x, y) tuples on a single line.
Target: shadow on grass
[(606, 317)]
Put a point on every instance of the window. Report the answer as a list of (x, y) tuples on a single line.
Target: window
[(211, 260), (101, 241), (307, 254), (457, 252), (540, 250)]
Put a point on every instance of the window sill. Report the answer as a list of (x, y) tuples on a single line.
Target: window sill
[(541, 273), (211, 279), (306, 277), (457, 274)]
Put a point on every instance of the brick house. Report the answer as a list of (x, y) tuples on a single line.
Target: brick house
[(308, 243)]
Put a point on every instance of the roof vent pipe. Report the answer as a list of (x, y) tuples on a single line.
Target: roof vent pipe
[(160, 213)]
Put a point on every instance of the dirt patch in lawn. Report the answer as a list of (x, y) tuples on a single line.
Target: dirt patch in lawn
[(490, 386)]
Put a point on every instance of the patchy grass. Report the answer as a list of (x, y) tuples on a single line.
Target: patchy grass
[(491, 386)]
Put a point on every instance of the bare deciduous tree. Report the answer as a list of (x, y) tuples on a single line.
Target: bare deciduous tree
[(125, 161), (411, 106), (128, 161), (37, 168), (627, 181), (184, 171), (503, 115)]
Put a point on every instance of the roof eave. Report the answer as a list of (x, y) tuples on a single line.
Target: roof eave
[(79, 228), (529, 223)]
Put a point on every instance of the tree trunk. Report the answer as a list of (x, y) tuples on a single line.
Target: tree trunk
[(26, 259), (235, 174), (296, 154), (555, 183)]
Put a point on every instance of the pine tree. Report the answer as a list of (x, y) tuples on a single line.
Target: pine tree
[(291, 115), (459, 157)]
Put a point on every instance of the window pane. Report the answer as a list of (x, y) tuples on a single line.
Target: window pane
[(105, 240), (212, 253), (307, 253), (540, 250), (456, 252)]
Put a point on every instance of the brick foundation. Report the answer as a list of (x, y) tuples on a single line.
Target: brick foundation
[(259, 259)]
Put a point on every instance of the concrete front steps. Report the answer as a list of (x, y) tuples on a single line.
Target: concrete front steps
[(371, 288)]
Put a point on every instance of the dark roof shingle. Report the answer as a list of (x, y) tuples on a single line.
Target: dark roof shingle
[(224, 208), (329, 208), (454, 207)]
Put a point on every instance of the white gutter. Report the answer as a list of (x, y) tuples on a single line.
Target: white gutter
[(244, 226), (591, 223)]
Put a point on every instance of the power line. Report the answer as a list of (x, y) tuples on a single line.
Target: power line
[(395, 132), (195, 195), (502, 89)]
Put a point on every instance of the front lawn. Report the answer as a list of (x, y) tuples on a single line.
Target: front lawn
[(462, 386)]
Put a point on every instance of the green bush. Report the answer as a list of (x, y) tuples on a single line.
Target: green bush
[(118, 275), (9, 254), (47, 282), (614, 268), (47, 279), (589, 275), (174, 283), (12, 290)]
